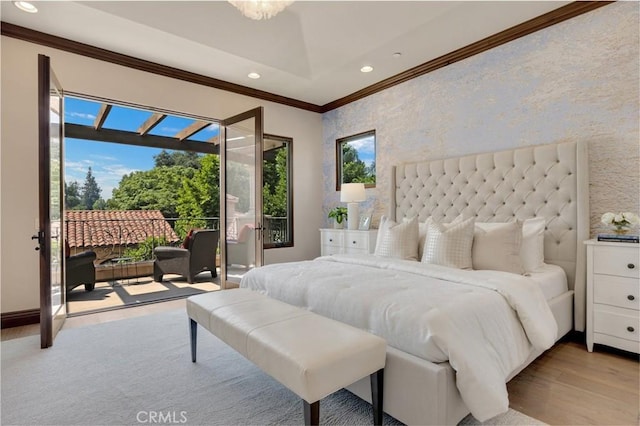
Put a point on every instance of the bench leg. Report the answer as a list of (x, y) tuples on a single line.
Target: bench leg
[(377, 385), (193, 332), (311, 413)]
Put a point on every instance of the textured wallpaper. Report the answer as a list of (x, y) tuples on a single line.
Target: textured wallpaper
[(575, 81)]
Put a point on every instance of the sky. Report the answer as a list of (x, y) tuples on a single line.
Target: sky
[(366, 148), (110, 161)]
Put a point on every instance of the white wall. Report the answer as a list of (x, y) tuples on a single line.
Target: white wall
[(19, 279)]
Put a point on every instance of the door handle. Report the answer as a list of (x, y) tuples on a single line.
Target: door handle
[(40, 237)]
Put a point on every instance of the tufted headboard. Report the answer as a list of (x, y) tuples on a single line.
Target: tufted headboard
[(549, 181)]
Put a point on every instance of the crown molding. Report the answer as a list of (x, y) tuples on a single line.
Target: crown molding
[(561, 14), (44, 39)]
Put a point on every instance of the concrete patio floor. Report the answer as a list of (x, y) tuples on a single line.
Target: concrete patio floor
[(128, 292)]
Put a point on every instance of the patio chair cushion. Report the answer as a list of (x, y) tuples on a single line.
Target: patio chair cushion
[(164, 252)]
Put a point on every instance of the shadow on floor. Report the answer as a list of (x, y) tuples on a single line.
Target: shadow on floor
[(127, 292)]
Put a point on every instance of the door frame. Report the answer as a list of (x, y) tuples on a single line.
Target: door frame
[(49, 324)]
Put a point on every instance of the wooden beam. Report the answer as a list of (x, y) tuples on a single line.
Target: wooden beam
[(77, 131), (102, 116), (151, 122), (191, 130)]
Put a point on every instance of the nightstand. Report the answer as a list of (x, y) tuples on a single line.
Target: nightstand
[(613, 299), (338, 241)]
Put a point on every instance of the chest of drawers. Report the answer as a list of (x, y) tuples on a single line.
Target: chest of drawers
[(613, 295), (339, 241)]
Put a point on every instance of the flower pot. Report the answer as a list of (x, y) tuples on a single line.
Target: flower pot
[(619, 230), (337, 225)]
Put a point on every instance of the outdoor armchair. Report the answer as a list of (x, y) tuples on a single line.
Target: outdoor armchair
[(200, 255), (81, 270)]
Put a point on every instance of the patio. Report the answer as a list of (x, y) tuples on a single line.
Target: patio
[(134, 291), (124, 243)]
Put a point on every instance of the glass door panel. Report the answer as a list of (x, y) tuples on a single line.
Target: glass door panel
[(241, 183), (50, 234)]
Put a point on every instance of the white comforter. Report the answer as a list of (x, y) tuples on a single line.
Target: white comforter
[(485, 323)]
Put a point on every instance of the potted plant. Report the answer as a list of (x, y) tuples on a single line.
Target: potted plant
[(340, 215)]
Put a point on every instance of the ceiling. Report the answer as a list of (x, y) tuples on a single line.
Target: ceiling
[(312, 51)]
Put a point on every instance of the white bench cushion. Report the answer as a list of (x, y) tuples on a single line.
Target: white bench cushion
[(312, 355)]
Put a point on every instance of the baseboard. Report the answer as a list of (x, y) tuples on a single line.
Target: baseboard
[(18, 318)]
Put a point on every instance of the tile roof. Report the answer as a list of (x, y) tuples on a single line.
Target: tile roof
[(103, 228)]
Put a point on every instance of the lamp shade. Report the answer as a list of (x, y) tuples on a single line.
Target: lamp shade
[(352, 193)]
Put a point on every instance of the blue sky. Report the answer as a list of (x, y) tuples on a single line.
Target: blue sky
[(366, 148), (110, 161)]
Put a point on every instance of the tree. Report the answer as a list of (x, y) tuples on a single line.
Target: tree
[(199, 196), (90, 191), (274, 194), (153, 189), (100, 204), (177, 158), (72, 196), (354, 169)]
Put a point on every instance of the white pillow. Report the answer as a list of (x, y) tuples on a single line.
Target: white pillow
[(449, 244), (532, 250), (532, 246), (498, 247), (398, 240)]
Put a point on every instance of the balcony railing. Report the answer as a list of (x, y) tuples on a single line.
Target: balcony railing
[(110, 238)]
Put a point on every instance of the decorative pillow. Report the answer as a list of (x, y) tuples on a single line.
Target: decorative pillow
[(498, 247), (532, 250), (532, 246), (187, 239), (243, 235), (449, 244), (422, 236), (398, 240)]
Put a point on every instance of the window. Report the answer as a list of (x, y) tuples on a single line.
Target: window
[(356, 159), (277, 192)]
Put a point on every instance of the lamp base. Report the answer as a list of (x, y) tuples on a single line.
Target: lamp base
[(353, 216)]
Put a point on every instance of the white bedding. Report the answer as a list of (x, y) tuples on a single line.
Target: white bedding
[(552, 280), (485, 323)]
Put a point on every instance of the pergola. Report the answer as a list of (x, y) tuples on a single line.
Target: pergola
[(141, 136)]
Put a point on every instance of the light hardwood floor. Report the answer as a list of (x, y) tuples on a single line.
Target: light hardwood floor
[(565, 386)]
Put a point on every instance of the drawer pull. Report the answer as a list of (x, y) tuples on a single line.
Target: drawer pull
[(631, 329), (631, 265), (353, 242), (330, 240), (631, 297)]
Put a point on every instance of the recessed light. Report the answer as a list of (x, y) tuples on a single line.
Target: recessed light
[(25, 6), (254, 75), (397, 54), (366, 68)]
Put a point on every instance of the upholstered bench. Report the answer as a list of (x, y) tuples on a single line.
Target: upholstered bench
[(311, 355)]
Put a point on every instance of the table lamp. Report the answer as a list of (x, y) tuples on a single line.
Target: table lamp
[(352, 194)]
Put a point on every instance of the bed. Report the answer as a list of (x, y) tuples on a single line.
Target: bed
[(439, 368)]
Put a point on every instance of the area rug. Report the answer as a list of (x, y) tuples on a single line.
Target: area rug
[(139, 370)]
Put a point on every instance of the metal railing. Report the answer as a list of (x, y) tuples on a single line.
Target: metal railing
[(112, 238), (115, 238)]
